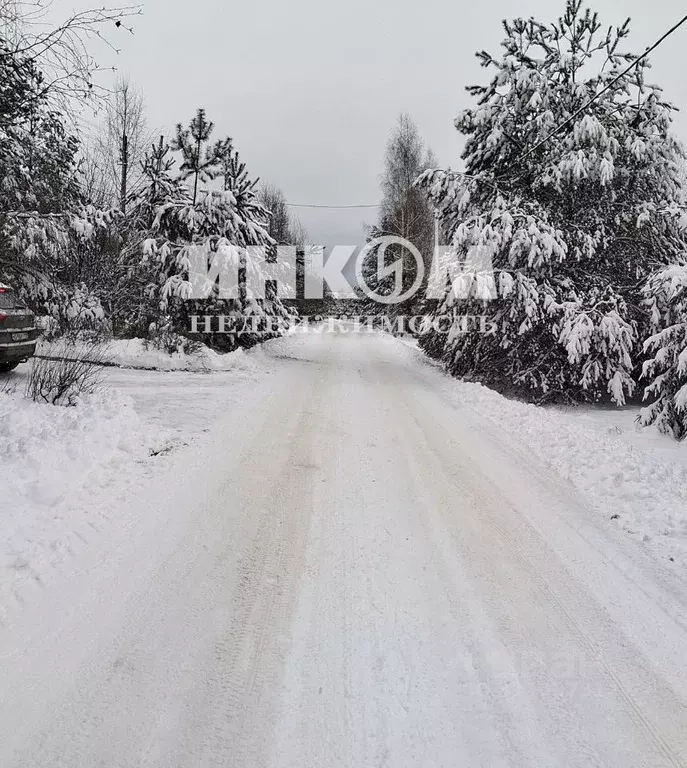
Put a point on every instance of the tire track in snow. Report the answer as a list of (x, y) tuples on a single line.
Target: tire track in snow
[(363, 586), (435, 436), (250, 656)]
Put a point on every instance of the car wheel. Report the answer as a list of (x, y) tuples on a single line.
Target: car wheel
[(7, 367)]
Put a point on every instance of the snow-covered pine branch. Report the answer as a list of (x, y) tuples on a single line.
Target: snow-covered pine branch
[(56, 260), (666, 368)]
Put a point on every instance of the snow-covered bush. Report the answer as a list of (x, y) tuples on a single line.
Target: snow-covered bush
[(572, 214), (73, 370), (59, 265), (666, 295), (162, 336)]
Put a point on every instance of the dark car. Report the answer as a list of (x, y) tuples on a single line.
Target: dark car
[(18, 332)]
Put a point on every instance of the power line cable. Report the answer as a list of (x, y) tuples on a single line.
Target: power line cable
[(589, 102), (558, 128), (308, 205)]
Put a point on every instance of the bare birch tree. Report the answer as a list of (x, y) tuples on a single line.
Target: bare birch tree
[(123, 142)]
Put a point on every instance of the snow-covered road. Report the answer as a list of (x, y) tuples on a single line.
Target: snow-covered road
[(352, 571)]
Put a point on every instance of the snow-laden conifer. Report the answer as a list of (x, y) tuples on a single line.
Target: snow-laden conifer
[(573, 228)]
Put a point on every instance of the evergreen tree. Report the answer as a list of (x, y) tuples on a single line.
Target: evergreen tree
[(666, 296), (171, 232), (572, 213), (201, 161), (49, 237), (37, 153), (144, 267)]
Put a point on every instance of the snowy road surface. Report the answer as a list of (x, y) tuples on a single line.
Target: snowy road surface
[(352, 571)]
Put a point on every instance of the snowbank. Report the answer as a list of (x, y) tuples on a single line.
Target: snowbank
[(137, 353), (634, 476), (51, 456), (631, 474), (67, 474)]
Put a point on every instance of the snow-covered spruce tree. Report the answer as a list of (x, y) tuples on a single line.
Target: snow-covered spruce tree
[(48, 236), (170, 233), (249, 225), (56, 263), (666, 296), (142, 270), (572, 225)]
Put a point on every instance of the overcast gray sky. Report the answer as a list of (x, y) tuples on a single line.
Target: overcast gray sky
[(310, 90)]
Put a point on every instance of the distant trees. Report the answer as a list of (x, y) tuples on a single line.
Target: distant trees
[(283, 227), (405, 211)]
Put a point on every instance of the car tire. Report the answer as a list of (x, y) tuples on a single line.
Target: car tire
[(7, 367)]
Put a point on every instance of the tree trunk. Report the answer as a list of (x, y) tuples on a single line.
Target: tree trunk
[(125, 173)]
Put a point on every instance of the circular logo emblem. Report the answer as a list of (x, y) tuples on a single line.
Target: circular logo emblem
[(377, 248)]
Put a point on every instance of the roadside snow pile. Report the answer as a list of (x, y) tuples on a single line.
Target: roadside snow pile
[(137, 353), (636, 481), (49, 454)]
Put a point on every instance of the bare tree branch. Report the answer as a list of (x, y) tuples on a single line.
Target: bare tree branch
[(61, 51)]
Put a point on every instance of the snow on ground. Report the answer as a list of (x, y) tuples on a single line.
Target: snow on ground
[(633, 475), (50, 456), (64, 472), (138, 353), (357, 568)]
